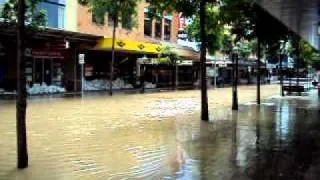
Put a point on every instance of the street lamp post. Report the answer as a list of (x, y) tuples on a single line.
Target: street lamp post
[(249, 73), (235, 61), (280, 67), (214, 64), (309, 77), (142, 76)]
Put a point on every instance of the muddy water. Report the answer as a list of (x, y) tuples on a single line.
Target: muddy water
[(160, 136)]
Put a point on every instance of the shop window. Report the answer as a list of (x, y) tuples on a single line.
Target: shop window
[(55, 12), (158, 28), (147, 25), (167, 29)]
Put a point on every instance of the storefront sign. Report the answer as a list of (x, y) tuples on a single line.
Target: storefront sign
[(81, 58), (88, 70), (46, 53)]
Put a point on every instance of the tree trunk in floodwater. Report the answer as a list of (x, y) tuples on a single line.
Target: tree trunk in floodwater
[(115, 22), (203, 53), (22, 161)]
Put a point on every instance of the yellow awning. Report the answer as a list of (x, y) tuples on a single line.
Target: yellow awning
[(129, 45), (146, 47)]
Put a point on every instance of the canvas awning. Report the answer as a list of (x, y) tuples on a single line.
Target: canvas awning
[(130, 46), (126, 45)]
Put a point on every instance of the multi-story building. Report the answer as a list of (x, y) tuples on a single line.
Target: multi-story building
[(146, 30), (52, 56), (50, 53)]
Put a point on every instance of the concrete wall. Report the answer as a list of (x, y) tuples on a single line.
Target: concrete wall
[(299, 16), (70, 22)]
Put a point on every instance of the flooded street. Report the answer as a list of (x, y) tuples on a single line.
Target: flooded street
[(160, 136)]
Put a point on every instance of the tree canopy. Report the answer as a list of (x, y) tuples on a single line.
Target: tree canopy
[(35, 18), (187, 7), (214, 29), (120, 10), (167, 56)]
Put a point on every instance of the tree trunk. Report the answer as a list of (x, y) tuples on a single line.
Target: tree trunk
[(281, 74), (298, 66), (259, 72), (235, 76), (21, 90), (177, 75), (204, 95), (115, 22)]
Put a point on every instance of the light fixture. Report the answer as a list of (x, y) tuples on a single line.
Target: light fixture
[(67, 44)]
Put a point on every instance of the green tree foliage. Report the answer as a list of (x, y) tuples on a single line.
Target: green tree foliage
[(214, 29), (167, 56), (249, 20), (245, 49), (122, 11), (309, 54), (227, 44), (241, 16), (187, 7), (35, 18)]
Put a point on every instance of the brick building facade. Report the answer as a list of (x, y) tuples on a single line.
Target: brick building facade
[(85, 24)]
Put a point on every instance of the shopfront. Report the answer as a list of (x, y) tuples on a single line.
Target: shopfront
[(46, 66), (51, 64)]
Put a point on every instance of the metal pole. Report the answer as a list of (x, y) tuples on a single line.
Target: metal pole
[(82, 79), (215, 74), (235, 82), (298, 66), (281, 75), (177, 75)]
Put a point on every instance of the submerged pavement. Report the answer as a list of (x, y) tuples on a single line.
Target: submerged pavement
[(160, 136)]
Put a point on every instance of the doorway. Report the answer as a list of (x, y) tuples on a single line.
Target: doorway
[(43, 71)]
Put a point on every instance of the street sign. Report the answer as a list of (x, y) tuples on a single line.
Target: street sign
[(81, 58)]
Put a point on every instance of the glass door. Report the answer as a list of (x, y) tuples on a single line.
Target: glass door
[(38, 71), (47, 71), (42, 71)]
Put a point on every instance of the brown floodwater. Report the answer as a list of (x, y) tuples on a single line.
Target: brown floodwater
[(160, 136)]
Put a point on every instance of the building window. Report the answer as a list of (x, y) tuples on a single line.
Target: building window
[(55, 12), (158, 28), (167, 29), (110, 20), (97, 19), (127, 23), (147, 25)]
